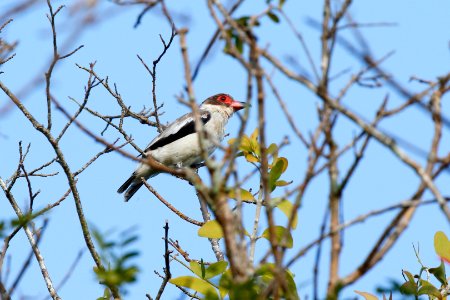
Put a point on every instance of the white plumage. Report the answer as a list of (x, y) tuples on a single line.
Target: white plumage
[(178, 146)]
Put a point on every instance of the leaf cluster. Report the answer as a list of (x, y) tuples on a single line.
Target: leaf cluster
[(246, 23), (215, 281), (117, 255), (415, 285)]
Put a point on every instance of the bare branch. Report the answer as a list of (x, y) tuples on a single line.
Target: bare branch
[(170, 206), (167, 274), (32, 242)]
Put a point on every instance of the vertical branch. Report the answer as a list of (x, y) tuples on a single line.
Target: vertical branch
[(199, 128), (27, 262), (167, 273), (264, 170), (191, 96), (52, 65), (5, 247), (187, 66), (317, 258), (55, 59), (437, 120), (328, 39), (33, 243), (253, 236), (236, 254), (3, 293), (334, 206), (206, 217), (152, 72), (212, 41), (69, 175), (325, 55)]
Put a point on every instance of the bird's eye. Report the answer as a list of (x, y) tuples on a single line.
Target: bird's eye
[(222, 98)]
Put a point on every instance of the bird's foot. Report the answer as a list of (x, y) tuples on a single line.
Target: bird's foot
[(198, 166)]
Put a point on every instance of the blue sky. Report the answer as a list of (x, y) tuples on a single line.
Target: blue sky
[(421, 43)]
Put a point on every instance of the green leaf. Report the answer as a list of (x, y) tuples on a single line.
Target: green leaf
[(225, 283), (281, 3), (2, 228), (286, 207), (117, 276), (128, 274), (129, 240), (255, 148), (108, 245), (264, 276), (243, 20), (408, 288), (216, 269), (266, 269), (232, 141), (280, 232), (24, 219), (428, 289), (128, 256), (106, 294), (251, 158), (367, 296), (244, 194), (196, 284), (284, 164), (272, 149), (202, 265), (273, 17), (439, 273), (282, 183), (211, 229), (278, 167), (245, 290), (239, 154), (245, 144), (291, 292), (238, 44), (442, 246), (409, 275), (254, 135), (196, 268)]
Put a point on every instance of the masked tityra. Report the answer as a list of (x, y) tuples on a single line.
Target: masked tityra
[(178, 146)]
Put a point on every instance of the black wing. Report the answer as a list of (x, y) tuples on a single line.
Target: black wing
[(178, 129)]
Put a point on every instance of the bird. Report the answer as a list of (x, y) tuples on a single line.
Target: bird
[(177, 146)]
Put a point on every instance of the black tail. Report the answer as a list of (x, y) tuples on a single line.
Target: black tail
[(131, 186), (126, 184), (134, 187)]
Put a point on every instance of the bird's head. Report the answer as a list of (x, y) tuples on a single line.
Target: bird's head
[(225, 100)]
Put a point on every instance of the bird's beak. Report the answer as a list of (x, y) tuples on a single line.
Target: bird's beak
[(236, 105)]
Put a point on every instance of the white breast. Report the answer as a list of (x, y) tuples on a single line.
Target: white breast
[(186, 151)]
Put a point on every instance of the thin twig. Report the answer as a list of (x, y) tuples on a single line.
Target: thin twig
[(27, 262), (170, 206), (69, 272), (166, 46), (32, 242), (167, 274)]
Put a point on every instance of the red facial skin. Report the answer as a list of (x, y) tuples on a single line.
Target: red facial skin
[(229, 101)]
